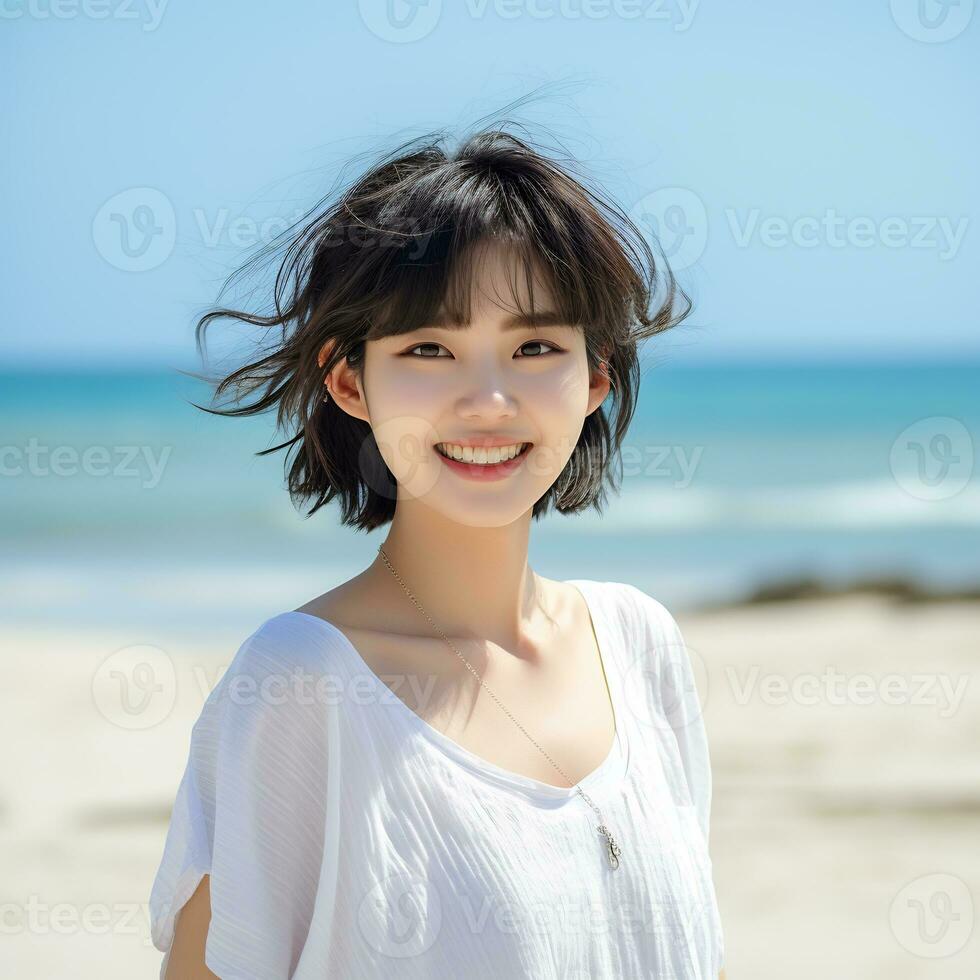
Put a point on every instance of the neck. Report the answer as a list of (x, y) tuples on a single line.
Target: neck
[(474, 582)]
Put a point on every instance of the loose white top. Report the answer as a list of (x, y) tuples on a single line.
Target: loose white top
[(347, 837)]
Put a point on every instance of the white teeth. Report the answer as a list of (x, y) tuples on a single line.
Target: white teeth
[(467, 454)]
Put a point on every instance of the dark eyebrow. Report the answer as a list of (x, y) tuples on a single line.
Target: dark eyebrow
[(520, 321)]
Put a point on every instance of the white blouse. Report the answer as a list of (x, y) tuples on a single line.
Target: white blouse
[(346, 837)]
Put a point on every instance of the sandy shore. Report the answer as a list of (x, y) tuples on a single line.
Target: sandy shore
[(845, 737)]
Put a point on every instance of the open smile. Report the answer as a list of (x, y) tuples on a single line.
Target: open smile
[(475, 470)]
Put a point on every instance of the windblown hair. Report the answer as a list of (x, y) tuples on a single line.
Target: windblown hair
[(394, 248)]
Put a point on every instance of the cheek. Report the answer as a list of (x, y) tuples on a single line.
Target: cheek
[(389, 385), (401, 406), (564, 396), (403, 400), (558, 407)]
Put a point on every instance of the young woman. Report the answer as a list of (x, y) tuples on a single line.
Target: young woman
[(449, 765)]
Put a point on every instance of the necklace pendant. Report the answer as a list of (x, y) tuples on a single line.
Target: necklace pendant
[(612, 848)]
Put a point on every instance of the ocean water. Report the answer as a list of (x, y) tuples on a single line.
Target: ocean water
[(122, 501)]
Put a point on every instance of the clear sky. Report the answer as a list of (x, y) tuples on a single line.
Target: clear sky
[(812, 168)]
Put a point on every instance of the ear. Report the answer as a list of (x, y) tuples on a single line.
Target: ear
[(599, 385), (343, 384), (321, 358)]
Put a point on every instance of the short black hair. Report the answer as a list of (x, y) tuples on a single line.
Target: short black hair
[(392, 250)]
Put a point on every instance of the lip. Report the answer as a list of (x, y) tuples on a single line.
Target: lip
[(484, 472)]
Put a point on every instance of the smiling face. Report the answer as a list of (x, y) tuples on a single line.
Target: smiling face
[(503, 378)]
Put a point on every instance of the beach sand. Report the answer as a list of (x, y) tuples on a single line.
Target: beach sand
[(845, 824)]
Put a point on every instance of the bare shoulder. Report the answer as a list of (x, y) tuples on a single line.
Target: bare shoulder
[(347, 605), (362, 616)]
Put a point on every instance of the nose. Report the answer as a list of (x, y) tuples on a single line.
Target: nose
[(491, 401)]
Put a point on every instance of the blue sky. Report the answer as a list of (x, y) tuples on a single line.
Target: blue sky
[(811, 168)]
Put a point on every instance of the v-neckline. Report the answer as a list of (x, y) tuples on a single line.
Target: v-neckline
[(606, 777)]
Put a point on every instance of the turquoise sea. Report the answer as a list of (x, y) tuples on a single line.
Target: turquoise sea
[(123, 502)]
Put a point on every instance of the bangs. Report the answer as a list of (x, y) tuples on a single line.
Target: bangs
[(463, 208), (447, 291)]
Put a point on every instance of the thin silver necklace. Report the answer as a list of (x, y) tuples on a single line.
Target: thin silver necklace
[(610, 846)]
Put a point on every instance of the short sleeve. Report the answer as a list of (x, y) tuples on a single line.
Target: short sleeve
[(676, 698), (250, 811)]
